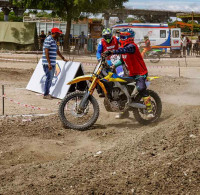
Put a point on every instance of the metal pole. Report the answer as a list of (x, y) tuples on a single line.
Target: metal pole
[(3, 98), (179, 69)]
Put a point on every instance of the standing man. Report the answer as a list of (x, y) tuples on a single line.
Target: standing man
[(42, 38), (50, 51), (82, 38), (61, 41), (188, 46), (184, 44), (198, 45)]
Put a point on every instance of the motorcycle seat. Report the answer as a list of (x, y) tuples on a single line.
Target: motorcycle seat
[(128, 79)]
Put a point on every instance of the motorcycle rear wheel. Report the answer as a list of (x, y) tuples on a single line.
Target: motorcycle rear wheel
[(72, 118), (154, 58), (140, 114)]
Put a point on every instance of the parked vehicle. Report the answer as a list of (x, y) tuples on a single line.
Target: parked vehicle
[(160, 35)]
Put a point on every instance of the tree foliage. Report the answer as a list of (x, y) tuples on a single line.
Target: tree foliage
[(12, 17), (186, 27), (71, 9)]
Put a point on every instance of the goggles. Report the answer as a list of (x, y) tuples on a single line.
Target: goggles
[(107, 36), (123, 37)]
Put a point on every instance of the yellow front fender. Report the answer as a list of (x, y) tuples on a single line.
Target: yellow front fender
[(88, 78), (81, 78)]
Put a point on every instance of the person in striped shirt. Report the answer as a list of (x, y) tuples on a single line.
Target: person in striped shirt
[(50, 51)]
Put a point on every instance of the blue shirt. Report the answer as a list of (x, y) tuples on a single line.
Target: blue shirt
[(50, 43), (130, 48)]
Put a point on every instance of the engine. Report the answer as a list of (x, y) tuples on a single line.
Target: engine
[(117, 102), (115, 93)]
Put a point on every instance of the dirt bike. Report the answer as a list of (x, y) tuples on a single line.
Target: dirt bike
[(153, 55), (79, 110)]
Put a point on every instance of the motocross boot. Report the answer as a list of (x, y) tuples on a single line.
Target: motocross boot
[(147, 102)]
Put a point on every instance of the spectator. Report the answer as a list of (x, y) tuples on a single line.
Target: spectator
[(198, 45), (82, 39), (61, 40), (42, 37), (50, 50), (188, 46), (184, 44)]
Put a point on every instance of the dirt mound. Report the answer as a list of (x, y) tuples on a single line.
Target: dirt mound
[(16, 75), (114, 157)]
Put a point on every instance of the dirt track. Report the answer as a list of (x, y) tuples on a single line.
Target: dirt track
[(114, 157)]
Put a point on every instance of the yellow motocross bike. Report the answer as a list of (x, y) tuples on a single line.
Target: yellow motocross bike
[(79, 110)]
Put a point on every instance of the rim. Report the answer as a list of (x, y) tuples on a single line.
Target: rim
[(76, 117), (154, 58), (145, 115)]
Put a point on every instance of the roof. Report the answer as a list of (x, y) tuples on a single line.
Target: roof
[(141, 25)]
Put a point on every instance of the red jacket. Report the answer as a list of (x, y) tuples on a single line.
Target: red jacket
[(134, 62), (113, 45)]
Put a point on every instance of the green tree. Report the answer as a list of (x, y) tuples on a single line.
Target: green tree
[(71, 9), (12, 17)]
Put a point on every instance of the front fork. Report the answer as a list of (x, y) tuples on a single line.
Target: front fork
[(85, 100)]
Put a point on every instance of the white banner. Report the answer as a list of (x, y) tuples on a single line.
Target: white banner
[(65, 72)]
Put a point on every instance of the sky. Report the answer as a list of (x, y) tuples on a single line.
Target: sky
[(173, 5)]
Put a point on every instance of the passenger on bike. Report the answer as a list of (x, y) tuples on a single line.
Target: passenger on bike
[(147, 46), (108, 42), (135, 65)]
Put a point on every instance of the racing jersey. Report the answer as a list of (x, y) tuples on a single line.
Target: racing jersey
[(132, 59), (104, 46)]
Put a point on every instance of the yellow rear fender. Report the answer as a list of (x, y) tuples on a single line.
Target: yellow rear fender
[(81, 78), (152, 78)]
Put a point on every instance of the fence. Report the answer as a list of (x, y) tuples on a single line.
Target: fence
[(77, 46)]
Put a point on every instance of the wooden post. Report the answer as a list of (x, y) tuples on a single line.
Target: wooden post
[(3, 98), (37, 56), (179, 69)]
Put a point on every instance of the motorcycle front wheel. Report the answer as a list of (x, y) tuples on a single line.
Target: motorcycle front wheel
[(71, 116)]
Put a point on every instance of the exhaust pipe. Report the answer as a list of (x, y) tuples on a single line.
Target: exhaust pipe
[(137, 105)]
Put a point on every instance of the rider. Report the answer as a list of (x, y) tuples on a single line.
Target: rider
[(135, 65), (108, 42), (147, 45)]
